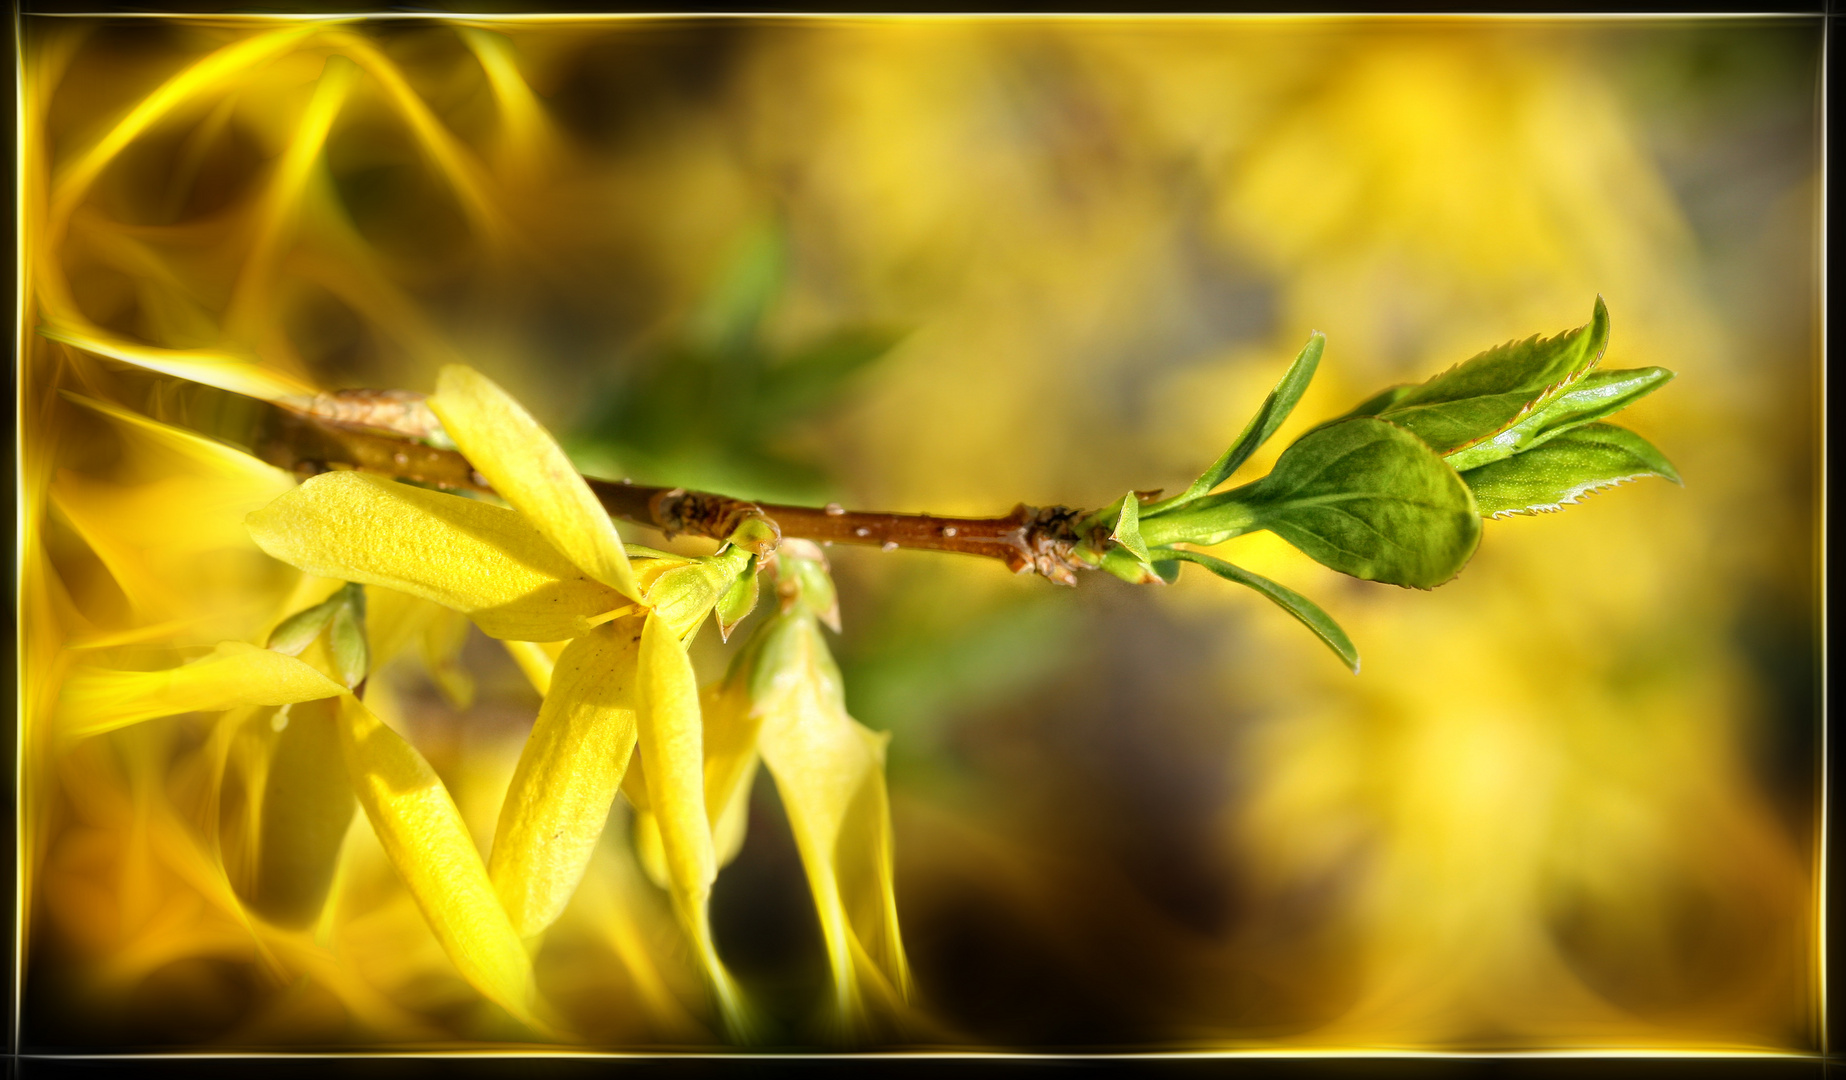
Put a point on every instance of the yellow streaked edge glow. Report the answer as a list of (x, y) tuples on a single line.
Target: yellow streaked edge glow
[(491, 898)]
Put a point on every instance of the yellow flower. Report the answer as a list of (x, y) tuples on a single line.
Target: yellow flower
[(158, 528), (782, 699), (550, 569)]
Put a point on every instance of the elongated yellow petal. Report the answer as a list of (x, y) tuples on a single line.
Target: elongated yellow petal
[(164, 449), (482, 560), (423, 833), (211, 72), (307, 806), (393, 621), (567, 777), (440, 645), (530, 470), (829, 771), (672, 744), (731, 727), (669, 730), (536, 659), (95, 700), (648, 851), (227, 371)]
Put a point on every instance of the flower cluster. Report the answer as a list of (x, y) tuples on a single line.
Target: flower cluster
[(602, 629)]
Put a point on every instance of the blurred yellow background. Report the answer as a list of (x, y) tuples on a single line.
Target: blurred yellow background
[(1569, 802)]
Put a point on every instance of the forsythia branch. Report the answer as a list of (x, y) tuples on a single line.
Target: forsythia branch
[(384, 432)]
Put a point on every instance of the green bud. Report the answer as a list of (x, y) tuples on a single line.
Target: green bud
[(299, 630), (346, 638), (802, 582)]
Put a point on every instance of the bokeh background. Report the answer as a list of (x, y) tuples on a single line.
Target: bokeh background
[(950, 265)]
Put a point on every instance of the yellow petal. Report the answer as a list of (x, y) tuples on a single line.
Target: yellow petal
[(648, 850), (528, 468), (94, 700), (393, 620), (669, 730), (440, 645), (730, 763), (227, 371), (307, 806), (482, 560), (829, 771), (567, 777), (536, 659), (160, 449), (423, 834)]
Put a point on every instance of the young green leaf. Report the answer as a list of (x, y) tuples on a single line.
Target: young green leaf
[(1564, 469), (805, 380), (1592, 397), (746, 287), (1479, 398), (1375, 404), (1127, 530), (1289, 600), (1363, 496), (1275, 409)]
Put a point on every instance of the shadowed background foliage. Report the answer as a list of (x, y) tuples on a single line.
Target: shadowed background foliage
[(950, 265)]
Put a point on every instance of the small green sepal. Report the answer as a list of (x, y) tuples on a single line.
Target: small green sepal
[(1127, 530), (738, 601), (1125, 565), (299, 630)]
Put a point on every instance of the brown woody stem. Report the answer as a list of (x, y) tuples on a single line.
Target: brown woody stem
[(330, 433)]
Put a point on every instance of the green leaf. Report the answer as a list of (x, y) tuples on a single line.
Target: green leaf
[(1275, 409), (1479, 398), (1128, 527), (814, 376), (1375, 404), (738, 601), (1363, 496), (1289, 600), (1564, 469), (1593, 397), (297, 631), (746, 286)]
